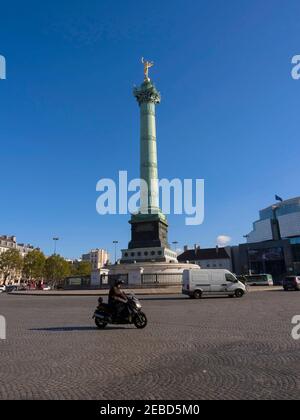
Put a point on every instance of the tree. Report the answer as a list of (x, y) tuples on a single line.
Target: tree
[(34, 265), (56, 269), (81, 268), (11, 263)]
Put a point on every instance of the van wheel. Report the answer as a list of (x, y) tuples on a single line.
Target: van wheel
[(239, 293), (197, 294)]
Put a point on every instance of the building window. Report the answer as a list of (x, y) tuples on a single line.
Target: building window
[(152, 252), (126, 254), (295, 241), (145, 253), (132, 254)]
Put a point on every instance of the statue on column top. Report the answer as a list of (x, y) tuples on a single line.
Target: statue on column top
[(147, 66)]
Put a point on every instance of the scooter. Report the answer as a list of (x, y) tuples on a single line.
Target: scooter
[(132, 314)]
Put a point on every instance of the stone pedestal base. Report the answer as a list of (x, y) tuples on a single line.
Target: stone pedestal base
[(149, 231), (151, 273)]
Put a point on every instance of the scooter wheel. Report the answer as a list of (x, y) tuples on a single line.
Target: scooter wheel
[(100, 324), (140, 320)]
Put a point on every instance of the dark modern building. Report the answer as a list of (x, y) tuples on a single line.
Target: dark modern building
[(280, 220), (273, 246)]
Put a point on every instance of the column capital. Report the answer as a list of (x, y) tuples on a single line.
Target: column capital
[(147, 93)]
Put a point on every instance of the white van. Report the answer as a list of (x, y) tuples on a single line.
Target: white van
[(197, 283)]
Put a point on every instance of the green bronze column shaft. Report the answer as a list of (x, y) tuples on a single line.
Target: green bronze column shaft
[(148, 97), (148, 155)]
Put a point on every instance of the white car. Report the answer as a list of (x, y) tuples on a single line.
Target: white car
[(2, 288)]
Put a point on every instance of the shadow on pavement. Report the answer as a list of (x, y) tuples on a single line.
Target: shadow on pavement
[(160, 297), (75, 328), (186, 298)]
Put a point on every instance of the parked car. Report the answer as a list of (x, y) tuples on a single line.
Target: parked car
[(46, 287), (2, 288), (11, 288), (291, 283), (197, 283)]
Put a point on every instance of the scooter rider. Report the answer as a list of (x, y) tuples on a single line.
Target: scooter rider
[(117, 298)]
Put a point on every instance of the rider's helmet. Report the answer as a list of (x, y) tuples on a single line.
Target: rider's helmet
[(119, 282)]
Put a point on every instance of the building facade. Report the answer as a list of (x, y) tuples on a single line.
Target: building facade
[(10, 242), (97, 257), (277, 258), (209, 258)]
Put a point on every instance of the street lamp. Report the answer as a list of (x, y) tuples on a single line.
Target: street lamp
[(55, 242), (115, 244), (275, 224), (248, 257), (175, 243)]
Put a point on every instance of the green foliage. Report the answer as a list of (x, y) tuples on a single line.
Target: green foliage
[(56, 269), (34, 265), (81, 268), (11, 262)]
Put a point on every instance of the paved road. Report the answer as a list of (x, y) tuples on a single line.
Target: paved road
[(214, 348)]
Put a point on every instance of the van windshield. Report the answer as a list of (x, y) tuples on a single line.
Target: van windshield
[(231, 278)]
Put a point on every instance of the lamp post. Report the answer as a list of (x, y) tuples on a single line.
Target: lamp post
[(275, 224), (248, 257), (175, 243), (55, 242), (115, 244)]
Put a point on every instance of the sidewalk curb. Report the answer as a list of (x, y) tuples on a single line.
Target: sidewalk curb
[(165, 291)]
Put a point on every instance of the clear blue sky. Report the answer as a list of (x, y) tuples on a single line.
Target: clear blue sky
[(230, 111)]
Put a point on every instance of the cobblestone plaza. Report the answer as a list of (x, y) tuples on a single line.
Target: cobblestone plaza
[(209, 349)]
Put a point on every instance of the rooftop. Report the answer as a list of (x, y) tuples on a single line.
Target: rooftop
[(204, 254)]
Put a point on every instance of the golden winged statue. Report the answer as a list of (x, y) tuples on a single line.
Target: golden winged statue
[(147, 66)]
